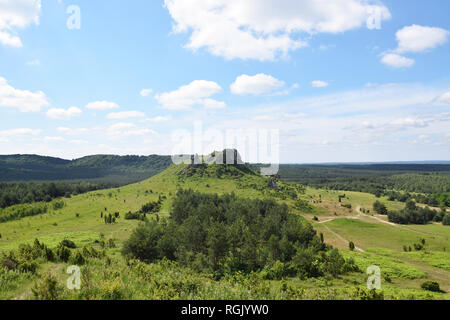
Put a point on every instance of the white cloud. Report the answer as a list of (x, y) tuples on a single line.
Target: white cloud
[(78, 142), (295, 115), (410, 122), (102, 105), (20, 132), (264, 29), (319, 84), (146, 92), (397, 61), (158, 119), (54, 139), (213, 104), (17, 14), (264, 118), (443, 99), (64, 114), (9, 40), (24, 100), (126, 129), (72, 132), (418, 38), (125, 115), (255, 85), (198, 92)]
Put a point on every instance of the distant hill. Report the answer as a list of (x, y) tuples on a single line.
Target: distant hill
[(96, 168)]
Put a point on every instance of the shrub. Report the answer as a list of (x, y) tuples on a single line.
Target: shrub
[(351, 246), (78, 259), (63, 253), (112, 289), (68, 244), (431, 286), (380, 208), (47, 288), (446, 220)]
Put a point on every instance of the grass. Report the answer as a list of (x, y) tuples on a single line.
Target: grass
[(378, 235), (383, 243)]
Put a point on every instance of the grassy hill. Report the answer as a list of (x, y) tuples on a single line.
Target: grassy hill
[(81, 220)]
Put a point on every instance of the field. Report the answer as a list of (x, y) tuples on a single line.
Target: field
[(377, 241)]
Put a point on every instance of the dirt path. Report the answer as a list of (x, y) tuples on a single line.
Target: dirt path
[(342, 238), (358, 209)]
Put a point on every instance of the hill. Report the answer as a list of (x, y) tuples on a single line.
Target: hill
[(100, 222), (105, 168)]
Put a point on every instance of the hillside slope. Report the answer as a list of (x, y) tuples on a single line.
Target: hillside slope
[(59, 224)]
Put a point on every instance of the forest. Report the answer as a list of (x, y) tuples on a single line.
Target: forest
[(22, 192), (97, 168), (225, 234), (424, 183)]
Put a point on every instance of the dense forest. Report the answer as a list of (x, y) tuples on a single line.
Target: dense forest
[(225, 234), (98, 168), (425, 183), (29, 192), (54, 178)]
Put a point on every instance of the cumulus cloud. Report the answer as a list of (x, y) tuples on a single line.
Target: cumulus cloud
[(198, 92), (413, 39), (417, 38), (64, 114), (17, 14), (146, 92), (126, 129), (319, 84), (125, 115), (443, 99), (255, 85), (397, 61), (102, 105), (158, 119), (24, 100), (19, 132), (264, 29)]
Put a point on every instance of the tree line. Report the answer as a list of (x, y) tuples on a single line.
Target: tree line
[(413, 214), (23, 192)]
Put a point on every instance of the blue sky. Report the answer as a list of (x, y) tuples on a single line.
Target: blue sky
[(138, 77)]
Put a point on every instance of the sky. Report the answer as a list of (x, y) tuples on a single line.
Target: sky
[(303, 81)]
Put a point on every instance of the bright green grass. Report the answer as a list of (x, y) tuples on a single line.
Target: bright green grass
[(379, 235), (390, 266), (433, 258)]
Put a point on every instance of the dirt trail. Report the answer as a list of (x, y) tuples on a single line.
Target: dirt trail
[(342, 239)]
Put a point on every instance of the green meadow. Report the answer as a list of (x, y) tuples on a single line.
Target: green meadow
[(111, 276)]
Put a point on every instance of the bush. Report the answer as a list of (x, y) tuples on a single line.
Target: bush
[(47, 288), (78, 259), (380, 208), (351, 246), (446, 220), (63, 253), (431, 286), (68, 244)]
